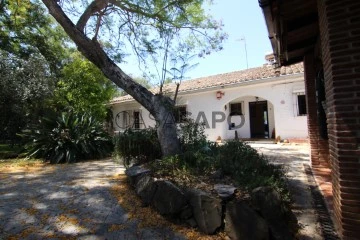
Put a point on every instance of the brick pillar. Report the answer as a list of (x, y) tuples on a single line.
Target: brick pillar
[(339, 23), (319, 153)]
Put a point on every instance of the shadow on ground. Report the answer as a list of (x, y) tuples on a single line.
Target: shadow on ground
[(67, 202)]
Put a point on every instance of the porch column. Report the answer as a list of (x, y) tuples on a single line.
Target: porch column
[(339, 23), (319, 153)]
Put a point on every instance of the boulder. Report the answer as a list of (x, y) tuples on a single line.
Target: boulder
[(243, 223), (279, 217), (191, 222), (207, 211), (145, 188), (168, 198), (186, 213), (134, 172), (225, 192)]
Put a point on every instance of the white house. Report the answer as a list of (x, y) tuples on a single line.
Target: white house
[(260, 102)]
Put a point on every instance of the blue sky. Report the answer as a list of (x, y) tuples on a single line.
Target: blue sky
[(242, 18)]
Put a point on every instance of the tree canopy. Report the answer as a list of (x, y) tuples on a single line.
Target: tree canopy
[(26, 30), (103, 29), (25, 87), (84, 88)]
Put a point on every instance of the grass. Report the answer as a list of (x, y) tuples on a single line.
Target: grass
[(20, 162), (9, 157)]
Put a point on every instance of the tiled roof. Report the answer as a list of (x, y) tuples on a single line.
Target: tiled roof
[(247, 75)]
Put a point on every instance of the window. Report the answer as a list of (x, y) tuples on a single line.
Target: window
[(301, 105), (125, 117), (180, 114), (236, 109), (137, 120)]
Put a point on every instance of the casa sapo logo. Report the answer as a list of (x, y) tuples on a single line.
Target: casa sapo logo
[(134, 119)]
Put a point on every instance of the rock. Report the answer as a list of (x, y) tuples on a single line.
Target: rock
[(145, 188), (225, 192), (279, 217), (186, 213), (134, 172), (191, 222), (242, 222), (168, 198), (207, 211)]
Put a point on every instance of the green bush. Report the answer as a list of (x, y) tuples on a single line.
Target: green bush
[(67, 138), (192, 135), (248, 168), (137, 146), (200, 157), (235, 159), (198, 153)]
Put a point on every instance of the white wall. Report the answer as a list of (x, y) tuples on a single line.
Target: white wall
[(129, 108), (279, 93)]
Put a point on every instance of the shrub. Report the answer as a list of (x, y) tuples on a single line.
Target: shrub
[(67, 138), (192, 135), (172, 166), (8, 151), (235, 159), (248, 168), (138, 146), (198, 153)]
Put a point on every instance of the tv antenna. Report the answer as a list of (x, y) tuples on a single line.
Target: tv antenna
[(243, 39)]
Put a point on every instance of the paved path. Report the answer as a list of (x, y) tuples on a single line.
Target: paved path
[(293, 158), (65, 202)]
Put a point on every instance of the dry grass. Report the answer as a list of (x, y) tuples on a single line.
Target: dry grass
[(147, 216), (20, 165)]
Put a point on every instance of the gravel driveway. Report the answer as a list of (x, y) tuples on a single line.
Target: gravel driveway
[(67, 202)]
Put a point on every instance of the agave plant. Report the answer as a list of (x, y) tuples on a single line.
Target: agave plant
[(67, 138)]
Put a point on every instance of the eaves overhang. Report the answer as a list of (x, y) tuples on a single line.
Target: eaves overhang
[(293, 28)]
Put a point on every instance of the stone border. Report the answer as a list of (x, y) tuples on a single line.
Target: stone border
[(265, 217)]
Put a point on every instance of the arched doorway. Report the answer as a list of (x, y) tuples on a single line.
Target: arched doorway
[(251, 117)]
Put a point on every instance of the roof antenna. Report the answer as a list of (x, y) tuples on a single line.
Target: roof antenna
[(243, 39)]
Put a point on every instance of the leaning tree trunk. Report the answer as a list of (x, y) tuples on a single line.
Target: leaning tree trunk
[(158, 105), (166, 125)]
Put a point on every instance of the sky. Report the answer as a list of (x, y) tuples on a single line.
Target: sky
[(242, 19)]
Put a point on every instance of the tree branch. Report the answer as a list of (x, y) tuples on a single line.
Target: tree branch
[(98, 23), (92, 51), (134, 9), (95, 6)]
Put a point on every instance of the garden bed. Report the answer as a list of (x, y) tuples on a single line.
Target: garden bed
[(228, 187), (216, 208)]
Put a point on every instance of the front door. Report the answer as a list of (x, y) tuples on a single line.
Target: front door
[(259, 121)]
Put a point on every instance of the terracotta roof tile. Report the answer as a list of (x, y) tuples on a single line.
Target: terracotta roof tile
[(263, 72)]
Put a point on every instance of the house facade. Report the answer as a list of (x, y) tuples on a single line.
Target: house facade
[(256, 103), (325, 35)]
